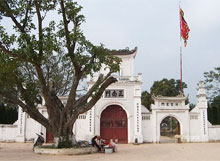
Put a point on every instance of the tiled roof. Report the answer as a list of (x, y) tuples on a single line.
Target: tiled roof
[(125, 51)]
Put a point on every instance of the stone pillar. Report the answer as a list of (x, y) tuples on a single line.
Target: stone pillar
[(138, 136), (21, 126), (203, 106), (154, 122), (91, 122)]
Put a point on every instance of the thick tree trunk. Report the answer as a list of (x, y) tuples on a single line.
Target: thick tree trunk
[(63, 136), (60, 126), (65, 141), (66, 138)]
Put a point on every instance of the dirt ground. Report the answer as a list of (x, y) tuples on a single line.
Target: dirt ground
[(126, 152)]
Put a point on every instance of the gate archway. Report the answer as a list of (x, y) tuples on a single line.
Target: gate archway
[(169, 130), (114, 124)]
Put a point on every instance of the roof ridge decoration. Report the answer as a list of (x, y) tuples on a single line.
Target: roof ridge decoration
[(159, 97), (125, 51)]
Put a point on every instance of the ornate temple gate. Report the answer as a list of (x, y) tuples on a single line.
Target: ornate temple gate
[(114, 124)]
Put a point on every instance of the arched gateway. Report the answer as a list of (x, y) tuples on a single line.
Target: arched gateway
[(169, 129), (114, 124)]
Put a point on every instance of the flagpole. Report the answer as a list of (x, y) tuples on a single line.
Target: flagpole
[(181, 71), (184, 34)]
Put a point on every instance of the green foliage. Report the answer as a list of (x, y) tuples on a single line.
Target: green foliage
[(146, 99), (44, 56), (167, 87), (49, 49), (8, 113), (191, 105), (169, 126), (212, 81), (164, 87), (8, 71), (214, 111)]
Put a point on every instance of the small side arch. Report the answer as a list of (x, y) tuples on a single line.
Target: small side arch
[(170, 129)]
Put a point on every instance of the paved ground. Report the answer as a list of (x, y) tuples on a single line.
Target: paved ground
[(127, 152), (166, 139)]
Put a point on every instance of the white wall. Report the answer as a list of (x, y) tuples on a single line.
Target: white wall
[(131, 98), (127, 66), (214, 132), (32, 127), (8, 133), (147, 128), (195, 129), (82, 127)]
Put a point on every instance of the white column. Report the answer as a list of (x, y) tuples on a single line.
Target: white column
[(154, 126), (21, 126), (204, 125), (203, 106), (138, 137), (91, 122)]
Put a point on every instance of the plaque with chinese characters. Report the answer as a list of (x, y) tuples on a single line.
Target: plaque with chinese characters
[(114, 93)]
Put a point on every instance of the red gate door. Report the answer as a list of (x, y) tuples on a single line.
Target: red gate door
[(114, 124)]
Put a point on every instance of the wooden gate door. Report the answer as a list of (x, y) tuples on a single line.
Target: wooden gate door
[(114, 124)]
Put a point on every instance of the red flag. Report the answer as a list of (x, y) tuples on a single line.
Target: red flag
[(184, 29)]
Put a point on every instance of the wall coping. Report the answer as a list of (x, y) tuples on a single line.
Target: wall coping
[(65, 151), (7, 126), (214, 126)]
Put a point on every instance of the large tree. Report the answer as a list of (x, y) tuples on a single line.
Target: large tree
[(214, 111), (167, 87), (163, 87), (212, 82), (45, 55)]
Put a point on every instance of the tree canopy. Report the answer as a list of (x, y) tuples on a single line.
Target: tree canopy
[(44, 55), (214, 111), (165, 87), (146, 99), (8, 113), (212, 83)]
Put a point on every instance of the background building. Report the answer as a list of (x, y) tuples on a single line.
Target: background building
[(119, 115)]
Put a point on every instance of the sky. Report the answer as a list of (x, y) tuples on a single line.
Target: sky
[(153, 26)]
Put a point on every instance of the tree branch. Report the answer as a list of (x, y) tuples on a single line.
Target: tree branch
[(44, 87), (13, 54), (67, 35), (72, 94), (91, 90), (26, 17), (9, 14), (87, 106), (66, 27), (32, 111), (40, 28)]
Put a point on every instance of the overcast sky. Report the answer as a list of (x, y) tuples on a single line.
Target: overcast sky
[(153, 26)]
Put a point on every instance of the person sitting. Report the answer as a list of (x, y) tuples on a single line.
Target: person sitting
[(114, 146), (96, 142)]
